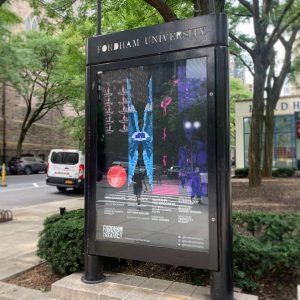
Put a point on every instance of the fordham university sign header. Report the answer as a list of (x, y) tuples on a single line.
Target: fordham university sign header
[(182, 34), (167, 37)]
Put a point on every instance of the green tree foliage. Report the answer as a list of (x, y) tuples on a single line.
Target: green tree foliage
[(9, 54), (10, 61), (72, 64), (116, 15), (43, 80)]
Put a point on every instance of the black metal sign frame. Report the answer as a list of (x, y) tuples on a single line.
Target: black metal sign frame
[(197, 37)]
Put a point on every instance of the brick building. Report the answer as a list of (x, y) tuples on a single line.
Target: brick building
[(43, 135)]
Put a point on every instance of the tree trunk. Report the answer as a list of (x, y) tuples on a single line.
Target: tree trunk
[(164, 9), (269, 141), (20, 141), (274, 86), (255, 142)]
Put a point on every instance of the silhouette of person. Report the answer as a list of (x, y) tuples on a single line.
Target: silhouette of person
[(138, 180)]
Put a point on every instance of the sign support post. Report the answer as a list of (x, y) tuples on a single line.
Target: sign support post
[(222, 281), (93, 264)]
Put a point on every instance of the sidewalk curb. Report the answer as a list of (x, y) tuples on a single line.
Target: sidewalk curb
[(13, 292), (4, 279)]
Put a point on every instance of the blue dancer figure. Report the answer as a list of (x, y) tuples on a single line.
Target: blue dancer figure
[(144, 136)]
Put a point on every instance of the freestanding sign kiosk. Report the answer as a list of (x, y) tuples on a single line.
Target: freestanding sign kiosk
[(157, 148)]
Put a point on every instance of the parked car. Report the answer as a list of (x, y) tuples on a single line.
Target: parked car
[(173, 172), (66, 169), (27, 165)]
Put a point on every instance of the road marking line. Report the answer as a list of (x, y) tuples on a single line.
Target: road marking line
[(35, 184), (22, 189)]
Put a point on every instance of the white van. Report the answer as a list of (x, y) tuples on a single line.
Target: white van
[(66, 169)]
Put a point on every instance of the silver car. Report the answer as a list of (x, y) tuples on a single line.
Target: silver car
[(27, 165)]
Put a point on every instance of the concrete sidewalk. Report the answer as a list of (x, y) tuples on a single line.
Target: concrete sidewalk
[(19, 237)]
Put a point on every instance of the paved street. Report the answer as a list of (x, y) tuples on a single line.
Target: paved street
[(26, 190)]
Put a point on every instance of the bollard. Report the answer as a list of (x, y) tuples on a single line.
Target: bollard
[(3, 175), (62, 210)]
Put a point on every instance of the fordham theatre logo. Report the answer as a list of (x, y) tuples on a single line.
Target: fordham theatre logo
[(169, 37)]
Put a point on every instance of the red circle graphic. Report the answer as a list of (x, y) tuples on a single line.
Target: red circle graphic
[(116, 176)]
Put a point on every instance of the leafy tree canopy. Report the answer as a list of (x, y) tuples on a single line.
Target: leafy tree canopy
[(116, 15), (9, 54)]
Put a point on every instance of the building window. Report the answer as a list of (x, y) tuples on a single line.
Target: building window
[(31, 22), (284, 155), (284, 142), (247, 124)]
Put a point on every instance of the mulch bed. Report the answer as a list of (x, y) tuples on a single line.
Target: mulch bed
[(280, 195), (276, 194), (38, 278)]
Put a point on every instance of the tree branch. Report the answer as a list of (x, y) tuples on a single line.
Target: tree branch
[(247, 5), (200, 7), (164, 9), (276, 33), (267, 7), (197, 8), (255, 9), (271, 73), (243, 62), (241, 15), (241, 44), (42, 115), (288, 46), (278, 81)]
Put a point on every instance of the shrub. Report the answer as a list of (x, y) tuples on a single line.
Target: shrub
[(241, 173), (264, 245), (61, 242), (283, 172)]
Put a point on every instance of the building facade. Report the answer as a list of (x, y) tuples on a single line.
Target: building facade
[(45, 134), (286, 132)]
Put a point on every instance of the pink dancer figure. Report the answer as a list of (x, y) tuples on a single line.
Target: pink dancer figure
[(165, 134), (164, 103), (165, 161)]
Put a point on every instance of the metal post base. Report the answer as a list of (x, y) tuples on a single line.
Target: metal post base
[(221, 286), (93, 272)]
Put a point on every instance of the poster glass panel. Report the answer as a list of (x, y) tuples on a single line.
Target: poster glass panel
[(152, 183)]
